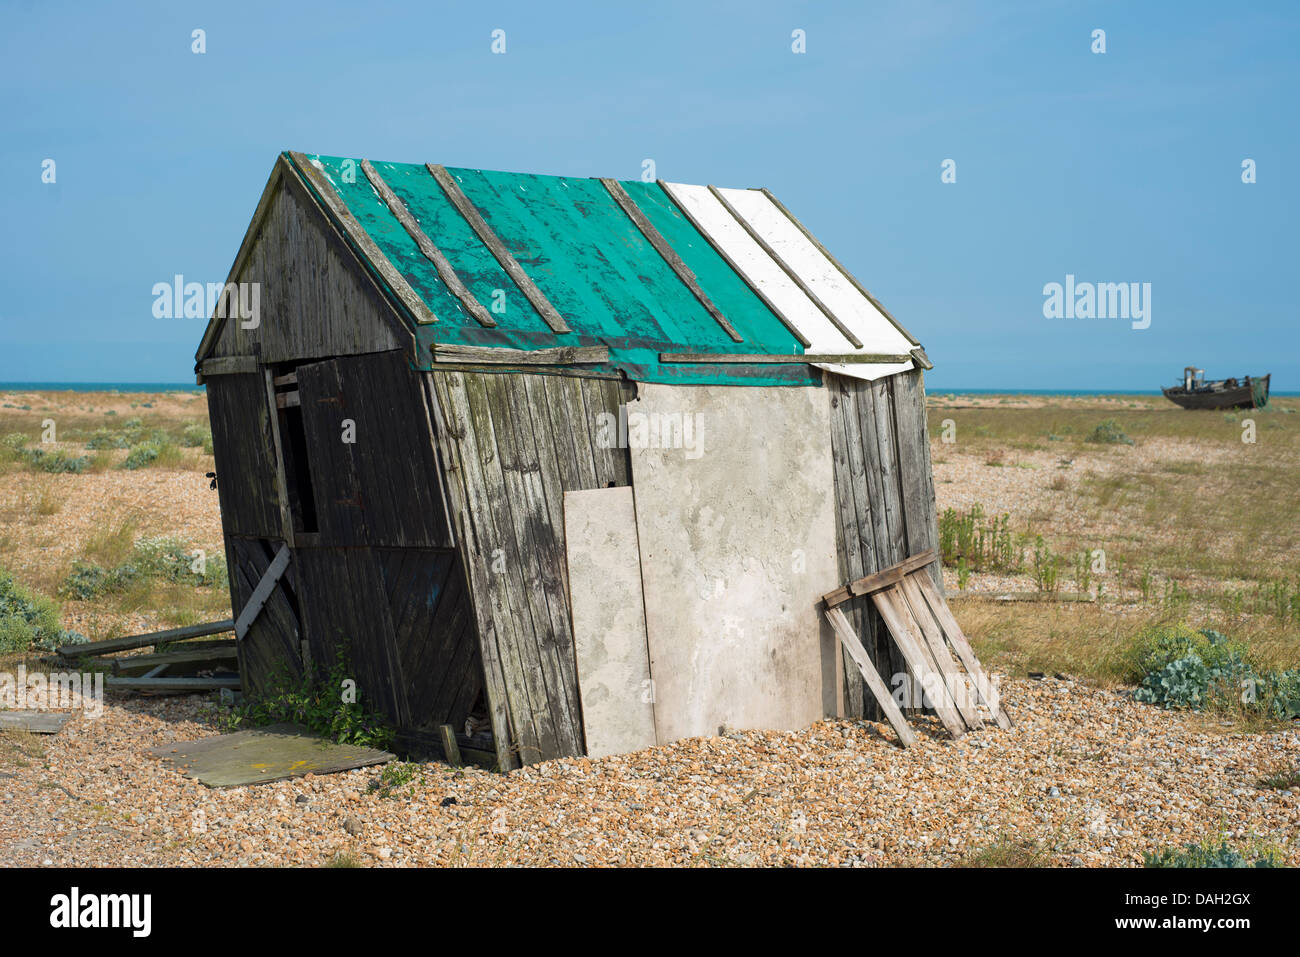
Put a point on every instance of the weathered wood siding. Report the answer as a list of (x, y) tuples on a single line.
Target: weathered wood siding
[(315, 298), (884, 492), (512, 444), (383, 488), (271, 650), (244, 449)]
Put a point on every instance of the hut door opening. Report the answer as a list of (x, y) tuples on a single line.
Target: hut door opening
[(293, 451)]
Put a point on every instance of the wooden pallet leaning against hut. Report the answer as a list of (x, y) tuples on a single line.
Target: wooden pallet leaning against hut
[(937, 653)]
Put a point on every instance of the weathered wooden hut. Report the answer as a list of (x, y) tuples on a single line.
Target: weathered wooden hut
[(426, 431)]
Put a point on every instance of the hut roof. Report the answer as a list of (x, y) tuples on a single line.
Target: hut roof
[(666, 276)]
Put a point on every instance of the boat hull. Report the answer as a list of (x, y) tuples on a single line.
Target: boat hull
[(1252, 395)]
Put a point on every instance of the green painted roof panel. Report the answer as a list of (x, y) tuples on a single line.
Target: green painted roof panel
[(585, 255)]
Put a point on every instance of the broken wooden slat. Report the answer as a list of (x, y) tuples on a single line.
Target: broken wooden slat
[(898, 620), (431, 252), (228, 365), (932, 635), (111, 645), (493, 242), (288, 400), (988, 692), (289, 378), (836, 263), (262, 592), (918, 354), (357, 234), (830, 358), (785, 267), (872, 677), (500, 355), (172, 684), (33, 722), (881, 579), (196, 658), (450, 748), (674, 261)]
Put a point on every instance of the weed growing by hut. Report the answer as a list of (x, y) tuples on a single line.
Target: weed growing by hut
[(397, 776), (319, 702)]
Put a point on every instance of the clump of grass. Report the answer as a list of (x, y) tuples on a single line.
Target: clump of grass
[(47, 501), (1007, 853), (159, 559), (397, 776), (1282, 780), (1211, 853), (1108, 433), (106, 439), (345, 859), (195, 435), (41, 460)]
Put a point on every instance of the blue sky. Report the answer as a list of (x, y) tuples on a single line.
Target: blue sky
[(1115, 167)]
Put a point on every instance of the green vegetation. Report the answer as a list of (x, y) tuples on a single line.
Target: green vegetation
[(327, 704), (985, 544), (1281, 780), (1207, 671), (397, 776), (1007, 853), (29, 620), (1108, 433), (159, 559), (1209, 853)]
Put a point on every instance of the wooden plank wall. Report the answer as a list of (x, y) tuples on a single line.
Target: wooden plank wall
[(271, 650), (512, 444), (244, 449), (315, 298), (884, 493), (382, 489)]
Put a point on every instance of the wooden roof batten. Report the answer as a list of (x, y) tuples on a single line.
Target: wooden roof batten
[(550, 315), (431, 252), (726, 257), (357, 234), (674, 261), (785, 267)]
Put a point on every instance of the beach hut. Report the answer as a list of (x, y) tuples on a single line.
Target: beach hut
[(564, 464)]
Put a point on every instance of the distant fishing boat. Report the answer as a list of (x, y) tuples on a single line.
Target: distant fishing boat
[(1196, 393)]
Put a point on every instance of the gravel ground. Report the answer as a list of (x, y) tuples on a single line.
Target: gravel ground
[(1089, 777)]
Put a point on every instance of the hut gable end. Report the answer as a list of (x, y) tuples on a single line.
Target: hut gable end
[(314, 296)]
